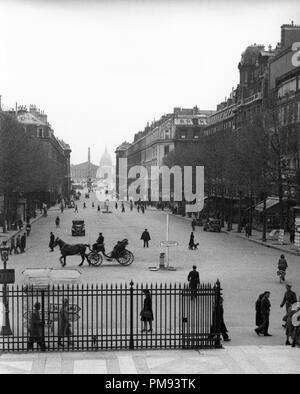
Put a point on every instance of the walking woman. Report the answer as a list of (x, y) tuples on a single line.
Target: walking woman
[(147, 313)]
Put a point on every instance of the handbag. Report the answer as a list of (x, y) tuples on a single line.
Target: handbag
[(146, 314)]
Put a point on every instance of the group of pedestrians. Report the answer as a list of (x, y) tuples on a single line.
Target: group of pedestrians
[(18, 244), (36, 327), (263, 310)]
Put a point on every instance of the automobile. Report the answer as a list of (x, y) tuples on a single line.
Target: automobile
[(212, 224), (71, 204), (78, 228), (87, 195)]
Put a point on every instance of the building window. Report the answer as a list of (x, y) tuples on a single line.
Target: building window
[(166, 149), (40, 133), (196, 134), (183, 134)]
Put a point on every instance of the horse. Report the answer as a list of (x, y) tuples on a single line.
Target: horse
[(71, 250)]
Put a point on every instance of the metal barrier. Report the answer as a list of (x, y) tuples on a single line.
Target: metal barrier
[(109, 317)]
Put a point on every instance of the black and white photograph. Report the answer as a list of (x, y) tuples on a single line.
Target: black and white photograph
[(149, 190)]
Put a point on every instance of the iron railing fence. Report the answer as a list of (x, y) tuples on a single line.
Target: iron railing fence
[(109, 317)]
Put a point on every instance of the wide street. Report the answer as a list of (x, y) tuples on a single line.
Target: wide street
[(245, 269)]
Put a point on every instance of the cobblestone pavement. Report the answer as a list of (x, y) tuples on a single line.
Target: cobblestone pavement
[(232, 360), (244, 268)]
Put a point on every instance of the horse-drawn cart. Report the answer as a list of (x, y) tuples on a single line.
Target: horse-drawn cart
[(119, 253)]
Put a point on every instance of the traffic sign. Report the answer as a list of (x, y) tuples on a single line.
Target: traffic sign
[(168, 244), (7, 276)]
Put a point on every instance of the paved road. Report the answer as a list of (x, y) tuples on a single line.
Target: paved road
[(244, 268)]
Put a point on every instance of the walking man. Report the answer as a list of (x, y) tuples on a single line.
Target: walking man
[(23, 243), (123, 208), (288, 300), (36, 329), (194, 281), (146, 238), (51, 243), (265, 312), (57, 221), (76, 208)]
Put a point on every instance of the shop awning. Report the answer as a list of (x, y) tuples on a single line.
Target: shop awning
[(270, 202)]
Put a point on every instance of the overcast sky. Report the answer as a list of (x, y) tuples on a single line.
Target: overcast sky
[(102, 70)]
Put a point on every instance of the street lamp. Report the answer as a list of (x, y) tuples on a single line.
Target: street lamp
[(5, 330)]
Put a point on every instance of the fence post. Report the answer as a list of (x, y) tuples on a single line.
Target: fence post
[(218, 315), (131, 342)]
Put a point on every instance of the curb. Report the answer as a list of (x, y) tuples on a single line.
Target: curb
[(265, 244)]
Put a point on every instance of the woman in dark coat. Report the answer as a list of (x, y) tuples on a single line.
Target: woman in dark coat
[(147, 313), (258, 318), (192, 241), (51, 243)]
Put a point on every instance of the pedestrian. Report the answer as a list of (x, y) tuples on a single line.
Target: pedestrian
[(131, 205), (194, 280), (76, 208), (18, 244), (147, 312), (64, 325), (123, 207), (93, 205), (289, 299), (13, 246), (116, 205), (222, 326), (143, 209), (28, 228), (61, 208), (98, 208), (138, 208), (57, 221), (265, 312), (247, 229), (84, 205), (51, 243), (192, 241), (36, 329), (258, 317), (146, 238), (282, 266), (23, 243), (193, 224)]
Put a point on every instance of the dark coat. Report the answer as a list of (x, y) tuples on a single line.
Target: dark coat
[(23, 241), (194, 279), (36, 326), (265, 306), (52, 239), (145, 236), (258, 319), (192, 240), (100, 240), (289, 299), (147, 313)]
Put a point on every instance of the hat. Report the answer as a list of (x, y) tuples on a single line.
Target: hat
[(194, 267), (289, 286)]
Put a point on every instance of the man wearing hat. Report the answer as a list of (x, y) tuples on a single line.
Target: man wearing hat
[(194, 281), (36, 329)]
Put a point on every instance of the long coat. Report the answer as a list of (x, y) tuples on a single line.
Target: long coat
[(258, 318), (36, 326), (64, 326), (145, 236), (147, 313), (193, 279), (52, 239)]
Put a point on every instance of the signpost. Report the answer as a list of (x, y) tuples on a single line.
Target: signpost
[(7, 276)]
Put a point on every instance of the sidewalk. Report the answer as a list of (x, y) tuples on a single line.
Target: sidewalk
[(231, 360), (5, 237), (256, 237)]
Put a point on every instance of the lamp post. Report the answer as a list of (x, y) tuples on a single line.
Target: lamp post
[(5, 330)]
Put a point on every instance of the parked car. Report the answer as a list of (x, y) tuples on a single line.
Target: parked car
[(78, 228), (71, 204), (87, 195), (212, 225)]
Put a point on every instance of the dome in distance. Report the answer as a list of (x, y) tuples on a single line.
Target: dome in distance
[(106, 159)]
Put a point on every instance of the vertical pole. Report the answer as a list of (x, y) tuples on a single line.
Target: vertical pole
[(217, 321), (43, 316), (131, 342), (167, 239)]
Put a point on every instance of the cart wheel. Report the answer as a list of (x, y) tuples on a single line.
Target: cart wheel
[(126, 259), (95, 259)]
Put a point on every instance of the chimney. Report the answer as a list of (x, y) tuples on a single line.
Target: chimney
[(289, 35)]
